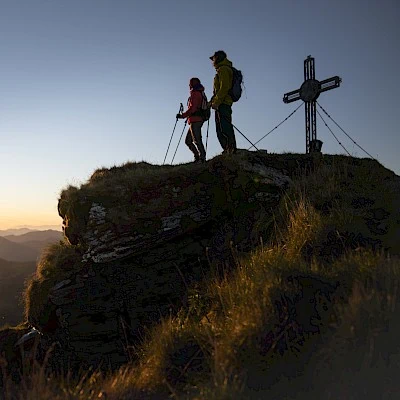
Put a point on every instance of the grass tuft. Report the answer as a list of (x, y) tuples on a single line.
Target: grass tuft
[(59, 261)]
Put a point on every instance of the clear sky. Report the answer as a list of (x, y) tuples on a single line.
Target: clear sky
[(95, 83)]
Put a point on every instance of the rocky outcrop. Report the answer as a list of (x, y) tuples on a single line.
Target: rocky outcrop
[(145, 235), (148, 238), (142, 236)]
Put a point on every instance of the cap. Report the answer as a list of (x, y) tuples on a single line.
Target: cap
[(218, 54)]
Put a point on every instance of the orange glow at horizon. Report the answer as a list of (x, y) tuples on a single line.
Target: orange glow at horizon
[(15, 220)]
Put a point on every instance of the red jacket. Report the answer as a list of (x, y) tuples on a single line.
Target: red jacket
[(194, 104)]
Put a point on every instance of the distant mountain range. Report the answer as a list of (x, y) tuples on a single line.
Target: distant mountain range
[(26, 229), (27, 246)]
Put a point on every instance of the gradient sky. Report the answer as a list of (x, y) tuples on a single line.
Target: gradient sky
[(96, 83)]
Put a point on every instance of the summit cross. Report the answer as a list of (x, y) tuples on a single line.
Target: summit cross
[(309, 92)]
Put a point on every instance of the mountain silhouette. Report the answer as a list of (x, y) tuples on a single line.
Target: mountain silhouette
[(11, 251), (15, 231), (47, 235), (28, 246), (27, 229)]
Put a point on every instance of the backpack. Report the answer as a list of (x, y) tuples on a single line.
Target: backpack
[(237, 80), (204, 111)]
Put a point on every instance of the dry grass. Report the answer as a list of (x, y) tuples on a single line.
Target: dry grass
[(58, 262), (124, 180), (285, 323)]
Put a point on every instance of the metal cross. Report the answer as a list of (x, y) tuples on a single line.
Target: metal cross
[(309, 92)]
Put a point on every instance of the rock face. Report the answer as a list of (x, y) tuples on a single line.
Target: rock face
[(146, 239), (144, 235)]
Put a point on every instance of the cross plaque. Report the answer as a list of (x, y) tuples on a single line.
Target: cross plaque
[(309, 92)]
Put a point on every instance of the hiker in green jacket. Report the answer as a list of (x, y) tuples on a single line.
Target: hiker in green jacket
[(221, 102)]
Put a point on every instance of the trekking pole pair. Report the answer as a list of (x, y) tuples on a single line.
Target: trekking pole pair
[(183, 130), (169, 144), (184, 127)]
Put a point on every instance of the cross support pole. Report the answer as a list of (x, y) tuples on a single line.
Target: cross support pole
[(309, 92)]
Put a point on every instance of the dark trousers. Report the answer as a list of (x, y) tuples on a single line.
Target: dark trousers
[(194, 141), (223, 124)]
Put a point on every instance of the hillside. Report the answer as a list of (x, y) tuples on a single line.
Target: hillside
[(226, 280), (16, 231), (16, 252), (13, 276), (37, 240), (46, 236), (27, 246), (23, 231)]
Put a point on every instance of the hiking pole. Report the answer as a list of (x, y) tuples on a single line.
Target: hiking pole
[(179, 142), (252, 145), (208, 125), (170, 140)]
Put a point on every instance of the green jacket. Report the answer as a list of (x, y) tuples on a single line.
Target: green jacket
[(222, 83)]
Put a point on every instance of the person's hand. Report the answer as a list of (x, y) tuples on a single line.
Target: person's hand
[(179, 116), (215, 107)]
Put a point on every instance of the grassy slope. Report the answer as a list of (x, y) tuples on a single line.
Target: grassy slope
[(292, 321)]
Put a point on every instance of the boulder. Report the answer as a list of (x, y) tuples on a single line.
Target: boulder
[(147, 234)]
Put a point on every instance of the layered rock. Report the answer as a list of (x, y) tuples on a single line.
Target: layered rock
[(145, 244), (147, 234), (142, 236)]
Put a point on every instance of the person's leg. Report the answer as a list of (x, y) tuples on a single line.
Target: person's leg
[(220, 135), (197, 139), (227, 127), (189, 143)]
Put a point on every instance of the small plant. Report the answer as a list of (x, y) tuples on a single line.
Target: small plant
[(58, 262)]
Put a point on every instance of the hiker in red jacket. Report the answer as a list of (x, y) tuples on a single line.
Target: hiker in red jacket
[(194, 115)]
